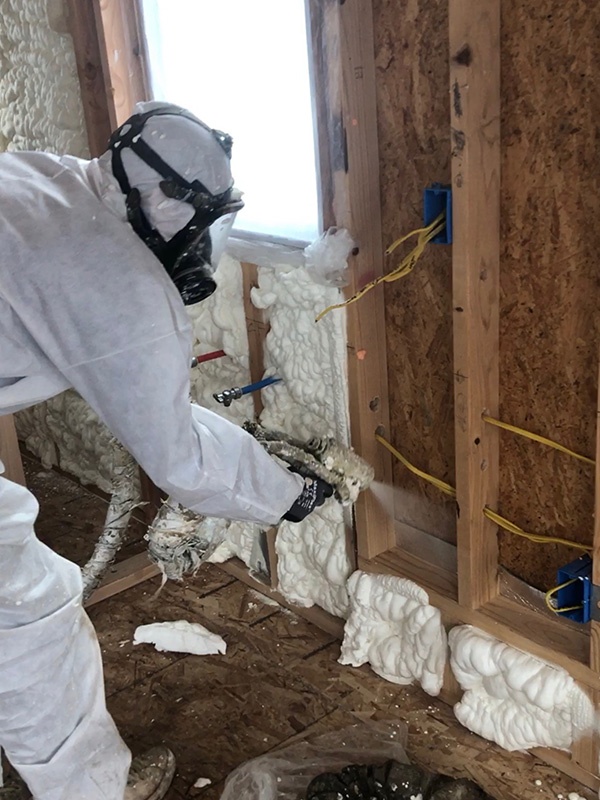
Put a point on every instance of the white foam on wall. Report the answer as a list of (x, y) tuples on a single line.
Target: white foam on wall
[(40, 101), (239, 539), (513, 698), (310, 357), (313, 561), (66, 432), (313, 564), (393, 627), (219, 323)]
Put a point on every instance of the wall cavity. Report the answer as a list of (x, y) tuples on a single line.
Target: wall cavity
[(313, 559), (514, 699), (393, 628)]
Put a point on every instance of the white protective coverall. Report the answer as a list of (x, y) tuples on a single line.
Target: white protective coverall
[(85, 304)]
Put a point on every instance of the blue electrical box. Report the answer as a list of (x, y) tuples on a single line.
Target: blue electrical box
[(578, 593), (437, 199)]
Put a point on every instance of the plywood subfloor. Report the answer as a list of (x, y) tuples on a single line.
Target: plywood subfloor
[(279, 680)]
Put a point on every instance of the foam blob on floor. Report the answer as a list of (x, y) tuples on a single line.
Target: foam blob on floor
[(393, 628), (180, 636), (514, 699)]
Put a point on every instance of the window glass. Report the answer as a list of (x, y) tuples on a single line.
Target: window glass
[(242, 66)]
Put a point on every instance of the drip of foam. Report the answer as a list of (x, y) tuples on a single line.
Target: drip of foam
[(514, 699), (393, 628)]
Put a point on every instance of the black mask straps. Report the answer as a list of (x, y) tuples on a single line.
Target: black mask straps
[(187, 256)]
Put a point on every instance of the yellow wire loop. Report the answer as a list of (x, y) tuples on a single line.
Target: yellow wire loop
[(406, 266), (506, 525), (537, 438), (493, 516), (441, 485), (548, 598)]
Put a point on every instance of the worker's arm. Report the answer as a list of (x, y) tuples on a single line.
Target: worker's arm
[(203, 461)]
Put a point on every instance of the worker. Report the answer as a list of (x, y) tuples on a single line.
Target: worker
[(99, 259)]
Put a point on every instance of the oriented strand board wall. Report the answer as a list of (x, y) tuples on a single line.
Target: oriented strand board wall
[(550, 276), (413, 108), (550, 265)]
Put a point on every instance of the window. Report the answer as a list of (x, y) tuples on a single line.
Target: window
[(243, 67)]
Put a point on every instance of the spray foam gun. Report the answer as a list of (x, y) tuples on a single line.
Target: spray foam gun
[(179, 540)]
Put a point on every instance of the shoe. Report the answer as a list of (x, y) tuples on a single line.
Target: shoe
[(150, 775), (14, 789)]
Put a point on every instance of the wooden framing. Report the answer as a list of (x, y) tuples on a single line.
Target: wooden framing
[(257, 329), (9, 451), (346, 122), (475, 121), (344, 77)]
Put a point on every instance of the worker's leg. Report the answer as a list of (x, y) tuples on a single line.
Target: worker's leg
[(54, 726)]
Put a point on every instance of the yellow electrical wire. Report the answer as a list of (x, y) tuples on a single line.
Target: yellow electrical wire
[(537, 438), (533, 537), (548, 598), (406, 266), (441, 485), (493, 516)]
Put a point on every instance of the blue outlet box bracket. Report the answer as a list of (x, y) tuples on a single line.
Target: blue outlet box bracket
[(437, 198), (578, 593)]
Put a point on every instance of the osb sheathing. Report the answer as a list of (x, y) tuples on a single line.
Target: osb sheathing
[(550, 273), (414, 141)]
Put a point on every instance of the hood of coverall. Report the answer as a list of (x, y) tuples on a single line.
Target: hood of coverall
[(198, 155)]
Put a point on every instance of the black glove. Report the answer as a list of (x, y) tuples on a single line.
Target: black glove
[(314, 494)]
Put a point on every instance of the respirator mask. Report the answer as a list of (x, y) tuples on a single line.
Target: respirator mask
[(192, 254)]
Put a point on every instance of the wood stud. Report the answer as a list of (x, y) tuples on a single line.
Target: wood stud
[(475, 130)]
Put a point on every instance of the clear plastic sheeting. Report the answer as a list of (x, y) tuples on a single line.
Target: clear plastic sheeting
[(325, 259), (364, 762), (286, 774), (244, 68)]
